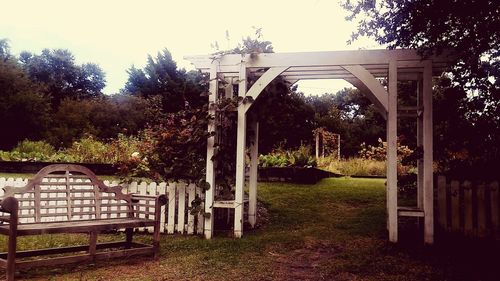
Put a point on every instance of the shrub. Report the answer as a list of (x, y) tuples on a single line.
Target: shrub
[(300, 157), (29, 151)]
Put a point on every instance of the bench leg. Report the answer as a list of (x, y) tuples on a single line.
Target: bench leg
[(129, 233), (92, 242), (11, 258)]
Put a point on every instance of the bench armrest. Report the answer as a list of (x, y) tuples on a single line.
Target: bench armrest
[(143, 204), (9, 205), (162, 198)]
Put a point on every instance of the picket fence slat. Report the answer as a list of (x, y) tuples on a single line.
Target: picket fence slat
[(494, 208), (468, 227), (181, 209), (455, 207), (442, 220), (472, 208), (173, 215), (191, 197), (171, 208), (201, 218), (162, 189), (481, 211)]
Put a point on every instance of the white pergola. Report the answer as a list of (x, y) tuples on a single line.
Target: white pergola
[(360, 68)]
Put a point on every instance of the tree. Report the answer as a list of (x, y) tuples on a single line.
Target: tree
[(160, 77), (61, 77), (24, 110)]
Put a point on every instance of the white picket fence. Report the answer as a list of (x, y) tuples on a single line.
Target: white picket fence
[(175, 215)]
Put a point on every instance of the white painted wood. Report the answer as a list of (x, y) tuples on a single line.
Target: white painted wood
[(252, 181), (181, 208), (392, 174), (171, 208), (2, 185), (420, 141), (132, 187), (191, 189), (309, 59), (200, 218), (210, 172), (259, 85), (240, 154), (151, 189), (317, 145), (428, 188), (377, 94), (162, 189)]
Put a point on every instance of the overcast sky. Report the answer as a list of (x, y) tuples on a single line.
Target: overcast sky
[(118, 34)]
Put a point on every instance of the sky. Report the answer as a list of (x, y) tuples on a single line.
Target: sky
[(119, 34)]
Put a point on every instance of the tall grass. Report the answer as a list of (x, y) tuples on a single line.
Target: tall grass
[(353, 166)]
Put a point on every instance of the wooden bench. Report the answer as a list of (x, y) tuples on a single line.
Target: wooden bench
[(65, 198)]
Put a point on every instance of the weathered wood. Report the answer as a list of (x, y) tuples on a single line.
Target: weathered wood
[(62, 204), (442, 207), (92, 242), (467, 191), (481, 210), (495, 221), (455, 205)]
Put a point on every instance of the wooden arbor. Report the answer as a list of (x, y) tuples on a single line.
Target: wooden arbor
[(361, 68)]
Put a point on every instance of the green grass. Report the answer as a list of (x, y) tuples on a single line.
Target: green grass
[(334, 230)]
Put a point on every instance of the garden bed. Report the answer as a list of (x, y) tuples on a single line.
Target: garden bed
[(294, 174)]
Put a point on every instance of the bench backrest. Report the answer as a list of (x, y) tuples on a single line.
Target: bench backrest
[(66, 192)]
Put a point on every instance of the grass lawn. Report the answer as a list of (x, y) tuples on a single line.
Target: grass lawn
[(334, 230)]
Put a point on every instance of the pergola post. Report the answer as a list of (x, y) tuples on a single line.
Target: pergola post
[(210, 168), (420, 139), (428, 192), (254, 163), (317, 145), (392, 174), (240, 155)]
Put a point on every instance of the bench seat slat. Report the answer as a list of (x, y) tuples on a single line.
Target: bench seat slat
[(78, 226)]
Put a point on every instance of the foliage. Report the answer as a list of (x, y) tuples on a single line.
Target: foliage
[(349, 114), (171, 149), (379, 152), (466, 30), (103, 117), (160, 77), (467, 109), (24, 109), (300, 157), (29, 151), (60, 77), (353, 166)]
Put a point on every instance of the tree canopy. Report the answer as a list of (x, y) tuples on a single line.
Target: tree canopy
[(467, 31)]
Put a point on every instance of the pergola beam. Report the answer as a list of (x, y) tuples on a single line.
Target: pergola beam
[(377, 94)]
